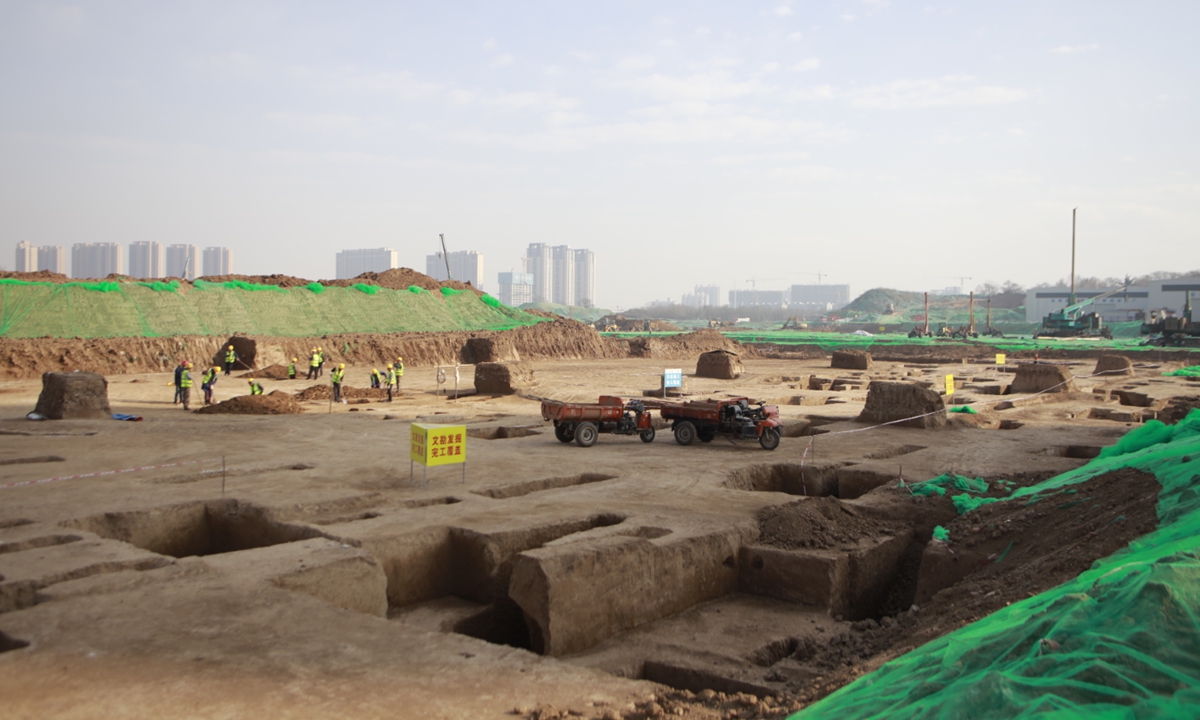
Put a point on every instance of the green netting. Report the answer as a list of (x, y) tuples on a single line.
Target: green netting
[(450, 291), (941, 533), (160, 286), (1122, 640), (1189, 371), (368, 289), (488, 299), (416, 289), (940, 484), (137, 309), (967, 409), (315, 287)]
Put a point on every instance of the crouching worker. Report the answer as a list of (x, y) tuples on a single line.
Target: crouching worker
[(255, 388), (207, 380)]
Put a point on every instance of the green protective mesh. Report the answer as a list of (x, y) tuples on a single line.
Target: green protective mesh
[(1122, 640), (1189, 371), (966, 409), (135, 309), (450, 291), (940, 484), (941, 533), (315, 287), (368, 289), (416, 289), (489, 300)]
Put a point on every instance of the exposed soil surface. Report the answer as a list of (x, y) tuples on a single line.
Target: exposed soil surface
[(1017, 550), (325, 392), (821, 522), (277, 371), (275, 403)]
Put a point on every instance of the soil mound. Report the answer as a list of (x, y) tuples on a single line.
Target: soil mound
[(1113, 365), (720, 364), (685, 346), (275, 403), (71, 396), (395, 279), (325, 392), (38, 276), (283, 281), (891, 401), (273, 372), (851, 360), (819, 522), (489, 349), (1040, 377), (502, 378)]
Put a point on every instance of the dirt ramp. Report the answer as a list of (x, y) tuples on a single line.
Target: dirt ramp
[(74, 396), (275, 403)]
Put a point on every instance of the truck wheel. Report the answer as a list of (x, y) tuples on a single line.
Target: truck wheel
[(769, 438), (685, 433), (564, 432), (647, 435), (706, 434), (586, 434)]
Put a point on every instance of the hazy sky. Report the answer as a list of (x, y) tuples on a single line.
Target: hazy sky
[(896, 143)]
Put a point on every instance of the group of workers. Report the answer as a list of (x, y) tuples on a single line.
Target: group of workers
[(184, 381)]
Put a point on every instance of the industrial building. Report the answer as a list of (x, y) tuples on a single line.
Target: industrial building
[(352, 263), (1134, 303), (465, 266)]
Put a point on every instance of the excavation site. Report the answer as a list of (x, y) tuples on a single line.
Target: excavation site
[(867, 539)]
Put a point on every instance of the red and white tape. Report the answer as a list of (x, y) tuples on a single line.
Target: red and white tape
[(103, 473)]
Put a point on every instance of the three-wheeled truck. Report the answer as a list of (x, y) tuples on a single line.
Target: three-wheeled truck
[(583, 422), (705, 419)]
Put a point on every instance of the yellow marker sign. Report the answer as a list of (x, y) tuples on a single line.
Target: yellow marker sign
[(949, 384), (1000, 358), (433, 445)]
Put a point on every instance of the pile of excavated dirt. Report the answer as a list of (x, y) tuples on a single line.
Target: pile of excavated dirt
[(274, 372), (38, 276), (1010, 551), (283, 281), (819, 522), (275, 403), (685, 346), (325, 392)]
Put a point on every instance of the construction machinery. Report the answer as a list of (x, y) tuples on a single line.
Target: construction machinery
[(990, 330), (1072, 321), (1174, 330)]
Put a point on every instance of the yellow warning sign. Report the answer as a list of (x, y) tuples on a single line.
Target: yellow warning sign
[(949, 384), (1001, 358), (433, 445)]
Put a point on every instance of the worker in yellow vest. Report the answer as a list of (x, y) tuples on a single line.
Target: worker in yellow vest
[(320, 361), (185, 384), (399, 373), (255, 388), (335, 377), (314, 362), (292, 370), (207, 380), (231, 357), (391, 379)]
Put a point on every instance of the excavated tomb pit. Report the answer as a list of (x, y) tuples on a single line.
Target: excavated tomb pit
[(197, 528), (841, 480), (520, 489)]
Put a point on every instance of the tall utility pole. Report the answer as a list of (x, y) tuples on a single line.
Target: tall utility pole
[(445, 255), (1071, 299)]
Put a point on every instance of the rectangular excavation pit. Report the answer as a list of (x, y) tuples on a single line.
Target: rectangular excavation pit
[(37, 542), (501, 433), (519, 489), (196, 528), (1079, 452), (851, 584), (471, 565), (893, 452), (790, 478)]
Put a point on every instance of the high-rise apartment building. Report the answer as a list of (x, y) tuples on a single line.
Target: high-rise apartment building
[(183, 262), (96, 260), (218, 261), (562, 258), (819, 298), (703, 296), (352, 263), (465, 266), (537, 263), (146, 260), (515, 288), (585, 278), (26, 257), (52, 258), (757, 298)]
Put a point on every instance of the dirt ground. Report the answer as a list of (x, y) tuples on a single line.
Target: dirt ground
[(233, 565)]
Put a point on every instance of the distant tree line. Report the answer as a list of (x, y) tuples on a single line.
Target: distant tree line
[(989, 288)]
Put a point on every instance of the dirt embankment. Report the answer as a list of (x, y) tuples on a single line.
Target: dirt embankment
[(558, 339), (686, 346)]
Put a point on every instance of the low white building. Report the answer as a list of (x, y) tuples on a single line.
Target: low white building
[(1133, 304)]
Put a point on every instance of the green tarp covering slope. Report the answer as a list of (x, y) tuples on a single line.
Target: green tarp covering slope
[(109, 309), (1122, 640)]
